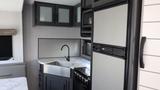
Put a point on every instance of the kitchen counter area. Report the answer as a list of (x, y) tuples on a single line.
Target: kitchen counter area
[(59, 72), (83, 62), (63, 65)]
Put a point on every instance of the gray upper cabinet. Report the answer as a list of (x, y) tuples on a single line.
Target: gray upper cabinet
[(53, 14), (45, 13), (64, 15)]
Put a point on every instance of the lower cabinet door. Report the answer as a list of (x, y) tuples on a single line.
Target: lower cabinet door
[(56, 83)]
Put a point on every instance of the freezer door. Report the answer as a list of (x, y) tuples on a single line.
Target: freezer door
[(110, 25), (107, 72)]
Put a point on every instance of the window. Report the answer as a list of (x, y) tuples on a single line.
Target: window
[(5, 47)]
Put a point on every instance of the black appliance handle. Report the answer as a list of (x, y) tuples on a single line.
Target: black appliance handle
[(143, 41)]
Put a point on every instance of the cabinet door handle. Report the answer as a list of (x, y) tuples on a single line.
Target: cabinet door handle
[(143, 41)]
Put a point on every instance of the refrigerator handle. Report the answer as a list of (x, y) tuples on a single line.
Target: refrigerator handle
[(143, 41)]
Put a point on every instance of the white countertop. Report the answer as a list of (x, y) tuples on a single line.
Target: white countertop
[(19, 83), (10, 62), (82, 61)]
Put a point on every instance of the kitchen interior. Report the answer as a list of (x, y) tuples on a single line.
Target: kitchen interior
[(62, 44), (65, 61), (71, 45)]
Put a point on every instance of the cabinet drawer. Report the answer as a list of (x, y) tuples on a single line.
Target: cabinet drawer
[(9, 71)]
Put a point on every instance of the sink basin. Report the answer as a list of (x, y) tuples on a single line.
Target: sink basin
[(60, 68), (65, 64), (55, 63)]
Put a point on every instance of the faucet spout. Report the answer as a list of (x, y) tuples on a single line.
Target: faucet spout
[(68, 57)]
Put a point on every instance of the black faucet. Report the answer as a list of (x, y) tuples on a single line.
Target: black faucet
[(68, 57)]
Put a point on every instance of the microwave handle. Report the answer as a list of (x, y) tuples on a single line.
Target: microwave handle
[(143, 41)]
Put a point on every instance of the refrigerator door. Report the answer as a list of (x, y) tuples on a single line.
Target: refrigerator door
[(110, 25), (110, 29), (107, 73)]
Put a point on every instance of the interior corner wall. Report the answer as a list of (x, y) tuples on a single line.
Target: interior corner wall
[(31, 35), (13, 20), (149, 77)]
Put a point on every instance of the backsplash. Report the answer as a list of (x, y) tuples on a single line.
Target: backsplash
[(51, 47)]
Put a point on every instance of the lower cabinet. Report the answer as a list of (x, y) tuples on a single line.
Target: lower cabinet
[(52, 82)]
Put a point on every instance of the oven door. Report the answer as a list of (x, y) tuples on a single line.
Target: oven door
[(79, 82), (78, 85)]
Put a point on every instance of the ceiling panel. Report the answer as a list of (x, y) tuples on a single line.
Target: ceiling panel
[(11, 5)]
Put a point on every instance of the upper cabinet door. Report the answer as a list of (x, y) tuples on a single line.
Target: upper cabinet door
[(45, 13), (78, 18), (64, 15), (77, 14), (53, 14)]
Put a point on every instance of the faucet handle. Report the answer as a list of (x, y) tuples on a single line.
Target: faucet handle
[(67, 58)]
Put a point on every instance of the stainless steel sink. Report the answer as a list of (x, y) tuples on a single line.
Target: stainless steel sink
[(60, 68), (55, 63)]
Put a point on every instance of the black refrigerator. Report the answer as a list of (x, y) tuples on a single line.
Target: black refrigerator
[(116, 44)]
